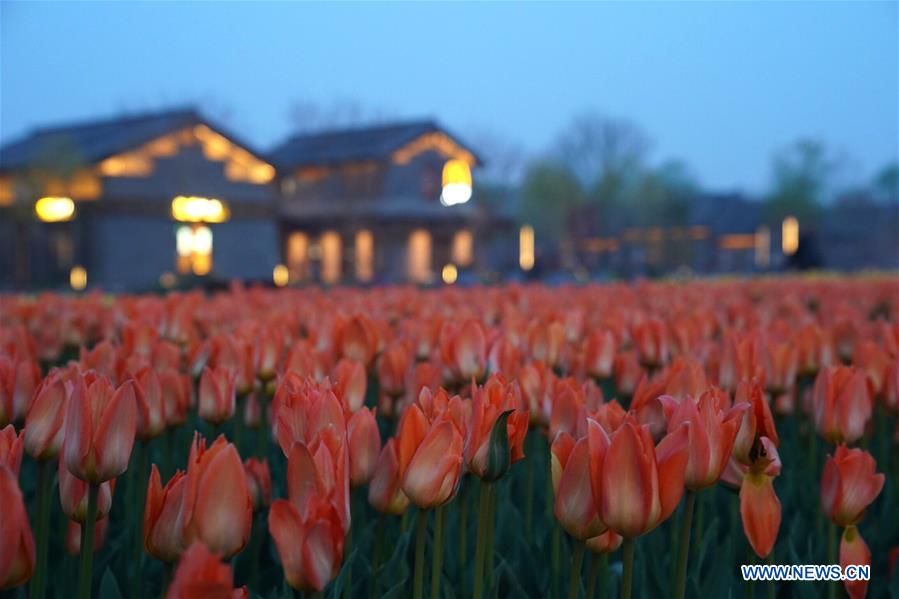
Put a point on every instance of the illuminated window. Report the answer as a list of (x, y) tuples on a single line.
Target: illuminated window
[(298, 255), (7, 193), (789, 235), (456, 183), (419, 256), (54, 209), (85, 185), (526, 247), (193, 209), (331, 256), (762, 247), (365, 249), (193, 244), (463, 247)]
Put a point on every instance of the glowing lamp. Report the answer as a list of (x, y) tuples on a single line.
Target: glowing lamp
[(526, 247), (456, 183), (280, 275), (78, 278), (789, 235), (54, 209), (450, 274), (194, 209)]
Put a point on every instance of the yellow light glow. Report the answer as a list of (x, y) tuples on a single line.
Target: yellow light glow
[(202, 264), (418, 262), (456, 183), (762, 247), (193, 244), (789, 235), (194, 209), (463, 247), (437, 142), (280, 275), (365, 250), (737, 241), (54, 209), (134, 164), (450, 274), (78, 278), (298, 255), (331, 246), (526, 247)]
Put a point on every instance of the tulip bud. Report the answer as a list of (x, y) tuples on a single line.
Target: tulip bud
[(11, 448), (384, 492), (216, 399), (259, 482), (162, 529), (44, 431), (854, 551), (150, 405), (849, 485), (364, 441), (16, 542), (18, 380), (73, 495), (202, 574), (350, 383), (73, 536)]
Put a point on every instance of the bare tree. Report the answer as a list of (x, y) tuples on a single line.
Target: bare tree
[(306, 116)]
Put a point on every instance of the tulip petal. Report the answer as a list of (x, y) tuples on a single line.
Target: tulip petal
[(854, 551), (760, 510), (224, 508), (626, 485), (115, 433)]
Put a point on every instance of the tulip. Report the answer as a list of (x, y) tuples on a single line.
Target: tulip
[(430, 458), (685, 378), (600, 350), (103, 358), (151, 419), (349, 384), (607, 542), (17, 557), (464, 350), (202, 575), (638, 484), (162, 527), (651, 341), (11, 448), (259, 482), (73, 536), (393, 365), (849, 485), (73, 495), (364, 441), (575, 506), (384, 492), (757, 422), (488, 403), (759, 505), (627, 373), (309, 539), (267, 348), (18, 380), (842, 404), (100, 426), (545, 342), (217, 508), (357, 339), (176, 392), (854, 551), (233, 353), (216, 399), (323, 467), (302, 409), (44, 425)]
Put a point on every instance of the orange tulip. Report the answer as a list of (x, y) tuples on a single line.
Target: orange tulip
[(854, 551), (103, 358), (759, 506), (216, 399), (302, 409), (639, 484), (162, 530), (464, 350), (685, 378), (651, 341), (757, 422), (176, 394), (233, 353), (100, 428), (309, 539), (259, 482), (356, 339), (364, 441), (781, 362), (600, 350), (712, 435), (217, 508), (384, 492), (430, 457), (393, 365), (350, 381), (488, 403), (575, 506), (44, 425), (647, 408), (16, 542), (151, 419), (627, 373), (267, 348), (815, 349), (73, 536), (849, 485), (202, 575), (607, 542), (322, 467), (73, 495), (545, 342), (11, 448), (18, 381), (842, 404)]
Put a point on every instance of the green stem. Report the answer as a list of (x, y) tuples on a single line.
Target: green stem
[(240, 402), (376, 558), (140, 499), (85, 574), (627, 574), (577, 561), (483, 515), (491, 533), (421, 528), (262, 435), (529, 491), (347, 551), (437, 549), (556, 557), (680, 586), (256, 536), (169, 456), (463, 523), (591, 574), (42, 519)]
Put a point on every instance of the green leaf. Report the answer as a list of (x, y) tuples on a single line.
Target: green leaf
[(498, 457), (109, 588)]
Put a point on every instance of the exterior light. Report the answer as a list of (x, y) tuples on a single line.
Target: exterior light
[(280, 275), (167, 280), (194, 209), (78, 278), (450, 274), (456, 183), (526, 247), (193, 244), (54, 209), (789, 235)]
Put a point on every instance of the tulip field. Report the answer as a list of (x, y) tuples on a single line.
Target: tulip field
[(632, 440)]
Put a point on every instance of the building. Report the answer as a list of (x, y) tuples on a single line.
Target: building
[(128, 202), (377, 203)]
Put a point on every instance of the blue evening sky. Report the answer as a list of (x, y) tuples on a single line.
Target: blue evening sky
[(720, 86)]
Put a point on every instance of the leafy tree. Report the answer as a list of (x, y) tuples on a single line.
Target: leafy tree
[(801, 176), (550, 194)]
